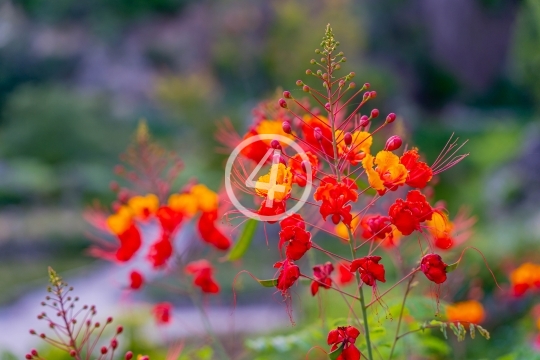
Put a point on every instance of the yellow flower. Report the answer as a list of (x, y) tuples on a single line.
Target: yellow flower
[(389, 172), (207, 200), (470, 311), (119, 222), (280, 188), (439, 225), (187, 204), (144, 206)]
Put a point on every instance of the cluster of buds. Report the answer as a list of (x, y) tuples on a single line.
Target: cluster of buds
[(74, 329)]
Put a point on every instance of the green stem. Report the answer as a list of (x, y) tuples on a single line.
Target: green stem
[(208, 327), (396, 338), (362, 301)]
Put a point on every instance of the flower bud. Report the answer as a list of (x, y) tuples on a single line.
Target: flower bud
[(352, 85), (103, 350), (373, 94), (282, 103), (34, 352), (305, 88), (327, 106), (299, 83), (72, 353), (364, 121), (109, 320), (274, 144), (317, 133), (366, 86), (352, 74), (374, 113), (308, 72), (28, 357), (286, 126), (390, 118), (347, 138), (434, 268), (129, 355), (393, 143), (119, 329), (114, 343), (287, 95)]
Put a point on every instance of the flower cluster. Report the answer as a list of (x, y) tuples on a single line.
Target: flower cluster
[(526, 277), (351, 172), (142, 234)]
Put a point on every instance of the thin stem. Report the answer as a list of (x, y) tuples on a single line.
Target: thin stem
[(401, 315)]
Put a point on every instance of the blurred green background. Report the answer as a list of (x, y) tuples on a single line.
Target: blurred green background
[(77, 75)]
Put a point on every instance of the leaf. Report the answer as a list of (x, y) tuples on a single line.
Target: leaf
[(335, 354), (268, 283), (452, 267), (244, 240)]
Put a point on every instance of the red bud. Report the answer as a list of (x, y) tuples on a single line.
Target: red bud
[(390, 118), (348, 138), (282, 103), (287, 95), (286, 126), (374, 113), (364, 121), (393, 143)]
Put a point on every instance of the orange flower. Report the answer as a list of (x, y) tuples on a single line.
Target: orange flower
[(272, 127), (470, 311), (186, 204), (298, 171), (389, 173), (121, 221), (440, 228), (280, 188), (525, 277), (359, 147), (309, 128), (144, 206), (207, 200)]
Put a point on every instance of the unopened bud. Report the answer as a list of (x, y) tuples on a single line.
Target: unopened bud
[(34, 352), (308, 72), (103, 350), (305, 88), (393, 143), (114, 343), (373, 94), (390, 118), (352, 74), (28, 357), (287, 95), (348, 138), (374, 113), (299, 83), (367, 85), (327, 106), (274, 144), (72, 353), (286, 126), (109, 320), (119, 329), (352, 85), (282, 103), (364, 121), (318, 134), (129, 355)]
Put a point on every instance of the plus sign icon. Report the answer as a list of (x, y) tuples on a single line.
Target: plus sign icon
[(273, 190)]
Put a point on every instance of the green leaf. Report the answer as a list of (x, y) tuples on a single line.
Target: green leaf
[(268, 283), (483, 332), (244, 240), (335, 354), (452, 267)]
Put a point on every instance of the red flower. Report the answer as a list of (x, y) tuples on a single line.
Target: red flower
[(345, 275), (277, 208), (160, 251), (169, 218), (293, 220), (338, 210), (345, 337), (288, 274), (130, 242), (330, 188), (419, 172), (375, 226), (162, 313), (369, 269), (298, 240), (202, 270), (434, 268), (321, 273), (317, 133), (210, 233), (408, 214), (257, 149), (298, 169), (136, 280)]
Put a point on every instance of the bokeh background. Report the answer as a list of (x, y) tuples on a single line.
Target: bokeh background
[(76, 76)]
